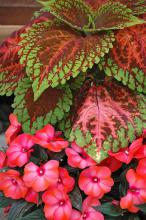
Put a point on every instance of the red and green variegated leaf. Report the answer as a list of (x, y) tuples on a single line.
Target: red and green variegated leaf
[(110, 117), (137, 6), (35, 115), (65, 125), (75, 13), (114, 15), (11, 71), (127, 60), (53, 53)]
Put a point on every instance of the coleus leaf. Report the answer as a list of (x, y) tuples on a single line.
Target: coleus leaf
[(34, 115), (114, 15), (75, 13), (110, 117), (11, 71), (79, 96), (81, 15), (127, 60), (53, 52), (137, 6)]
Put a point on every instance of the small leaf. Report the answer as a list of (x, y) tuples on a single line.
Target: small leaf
[(142, 207), (4, 201), (35, 215), (76, 198), (109, 209), (18, 209), (134, 217)]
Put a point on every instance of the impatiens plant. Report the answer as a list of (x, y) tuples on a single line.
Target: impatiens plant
[(79, 66), (39, 182)]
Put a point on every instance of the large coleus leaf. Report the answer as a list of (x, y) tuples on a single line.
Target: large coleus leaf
[(110, 117), (137, 6), (11, 71), (49, 108), (127, 60), (75, 13), (53, 52)]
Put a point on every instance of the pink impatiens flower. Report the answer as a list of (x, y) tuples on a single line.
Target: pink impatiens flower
[(127, 154), (57, 205), (136, 193), (48, 138), (32, 196), (78, 158), (65, 182), (12, 185), (88, 212), (2, 159), (19, 151), (96, 181), (141, 168), (13, 130), (40, 178)]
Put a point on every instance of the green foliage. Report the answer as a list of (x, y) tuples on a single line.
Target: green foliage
[(4, 202)]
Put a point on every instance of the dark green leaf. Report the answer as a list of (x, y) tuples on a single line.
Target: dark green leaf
[(18, 209), (76, 198), (36, 215), (109, 209), (134, 217), (4, 202), (142, 207)]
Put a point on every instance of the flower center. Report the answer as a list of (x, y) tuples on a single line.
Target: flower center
[(134, 190), (24, 150), (61, 203), (14, 182), (95, 179), (127, 152), (59, 180), (85, 215), (41, 171)]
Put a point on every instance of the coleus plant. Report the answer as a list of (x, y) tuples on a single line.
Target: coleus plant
[(81, 66)]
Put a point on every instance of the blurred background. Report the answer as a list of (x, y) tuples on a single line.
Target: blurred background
[(14, 13)]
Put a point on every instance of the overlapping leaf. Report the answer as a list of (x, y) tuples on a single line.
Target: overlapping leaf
[(114, 15), (75, 13), (93, 16), (137, 6), (11, 71), (110, 117), (127, 60), (53, 53), (49, 108)]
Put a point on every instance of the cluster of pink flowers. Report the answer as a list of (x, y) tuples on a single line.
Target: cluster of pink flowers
[(54, 183)]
